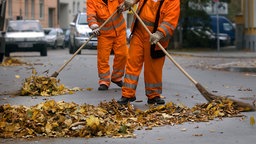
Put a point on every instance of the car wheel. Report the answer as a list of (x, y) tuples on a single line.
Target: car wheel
[(76, 48), (1, 57), (63, 45), (71, 50), (55, 45), (7, 53), (43, 52)]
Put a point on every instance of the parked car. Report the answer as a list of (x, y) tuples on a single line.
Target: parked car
[(225, 26), (80, 33), (204, 36), (66, 39), (54, 37), (25, 36)]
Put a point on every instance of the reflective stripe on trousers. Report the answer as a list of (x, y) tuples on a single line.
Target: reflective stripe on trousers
[(105, 45), (139, 53)]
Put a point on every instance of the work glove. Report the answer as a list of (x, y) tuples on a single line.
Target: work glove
[(129, 3), (155, 37), (120, 8), (95, 29)]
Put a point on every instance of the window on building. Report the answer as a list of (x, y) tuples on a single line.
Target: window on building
[(9, 8), (41, 8), (78, 7), (32, 9), (26, 8), (74, 7)]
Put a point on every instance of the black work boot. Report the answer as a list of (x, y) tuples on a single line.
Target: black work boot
[(124, 100), (119, 83), (156, 100), (103, 87)]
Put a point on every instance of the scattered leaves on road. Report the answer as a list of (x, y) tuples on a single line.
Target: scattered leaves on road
[(62, 119), (252, 120), (9, 61)]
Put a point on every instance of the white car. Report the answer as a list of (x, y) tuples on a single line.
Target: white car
[(54, 37), (80, 33), (25, 36)]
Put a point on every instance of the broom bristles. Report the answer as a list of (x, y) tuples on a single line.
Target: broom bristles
[(210, 97)]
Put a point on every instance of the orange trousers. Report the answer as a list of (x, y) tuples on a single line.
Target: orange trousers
[(139, 54), (119, 46)]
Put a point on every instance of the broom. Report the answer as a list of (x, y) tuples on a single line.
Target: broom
[(207, 95)]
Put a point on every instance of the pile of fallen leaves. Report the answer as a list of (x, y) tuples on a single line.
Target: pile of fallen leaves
[(61, 119), (43, 86), (9, 61)]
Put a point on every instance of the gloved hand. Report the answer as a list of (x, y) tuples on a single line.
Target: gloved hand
[(128, 4), (155, 37), (95, 29), (121, 8)]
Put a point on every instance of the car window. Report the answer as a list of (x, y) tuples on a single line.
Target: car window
[(24, 26), (12, 27), (227, 26), (82, 20), (67, 32), (52, 32)]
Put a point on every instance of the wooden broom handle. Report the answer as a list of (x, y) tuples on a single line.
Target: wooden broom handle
[(56, 73)]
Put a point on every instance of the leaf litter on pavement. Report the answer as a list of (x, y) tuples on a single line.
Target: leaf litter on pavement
[(9, 61), (68, 119), (36, 85), (62, 119)]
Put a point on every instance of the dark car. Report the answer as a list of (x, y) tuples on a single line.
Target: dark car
[(25, 36), (67, 37), (205, 37), (225, 27)]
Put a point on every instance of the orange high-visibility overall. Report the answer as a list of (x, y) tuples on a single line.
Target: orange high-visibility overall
[(139, 51), (112, 36)]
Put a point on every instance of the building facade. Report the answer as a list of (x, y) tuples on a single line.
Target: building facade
[(46, 11), (68, 9), (51, 13)]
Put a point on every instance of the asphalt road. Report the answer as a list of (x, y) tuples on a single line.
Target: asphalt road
[(82, 72)]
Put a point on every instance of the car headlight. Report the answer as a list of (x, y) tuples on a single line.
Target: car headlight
[(8, 39), (40, 39)]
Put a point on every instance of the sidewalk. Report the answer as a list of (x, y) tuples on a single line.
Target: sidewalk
[(245, 61)]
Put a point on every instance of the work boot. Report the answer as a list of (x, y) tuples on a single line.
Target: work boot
[(124, 100), (103, 87), (156, 100), (119, 83)]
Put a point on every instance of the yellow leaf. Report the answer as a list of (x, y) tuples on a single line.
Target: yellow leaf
[(61, 87), (252, 120), (48, 127), (17, 76), (92, 121), (34, 71)]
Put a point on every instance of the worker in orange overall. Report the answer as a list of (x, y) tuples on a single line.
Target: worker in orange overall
[(161, 18), (112, 36)]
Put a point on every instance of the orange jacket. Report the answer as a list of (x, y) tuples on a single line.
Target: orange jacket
[(168, 21), (98, 12)]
